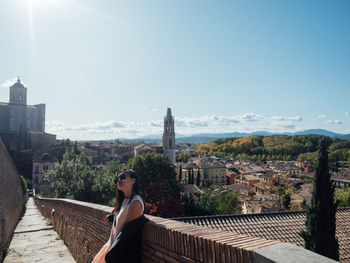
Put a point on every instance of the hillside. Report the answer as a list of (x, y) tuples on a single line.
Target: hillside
[(281, 147)]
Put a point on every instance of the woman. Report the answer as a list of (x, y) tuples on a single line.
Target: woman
[(128, 211)]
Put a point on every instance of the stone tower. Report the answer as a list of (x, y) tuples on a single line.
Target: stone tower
[(18, 93), (169, 136)]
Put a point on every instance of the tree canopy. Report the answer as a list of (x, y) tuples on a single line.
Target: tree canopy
[(208, 204), (183, 157), (74, 178), (157, 183), (282, 147)]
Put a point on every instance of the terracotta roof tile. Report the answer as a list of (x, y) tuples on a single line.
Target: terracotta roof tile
[(283, 226)]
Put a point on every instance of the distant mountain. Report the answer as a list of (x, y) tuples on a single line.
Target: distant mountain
[(319, 132), (205, 137)]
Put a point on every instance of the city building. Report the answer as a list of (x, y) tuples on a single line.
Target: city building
[(214, 171), (41, 165), (286, 168), (246, 179)]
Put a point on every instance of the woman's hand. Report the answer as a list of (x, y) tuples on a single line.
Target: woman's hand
[(109, 219)]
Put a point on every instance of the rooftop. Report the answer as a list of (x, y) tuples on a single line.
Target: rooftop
[(45, 157), (282, 226)]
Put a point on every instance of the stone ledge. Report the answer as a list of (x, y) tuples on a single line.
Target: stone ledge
[(287, 253)]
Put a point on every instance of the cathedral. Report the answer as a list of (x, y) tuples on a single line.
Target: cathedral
[(22, 126)]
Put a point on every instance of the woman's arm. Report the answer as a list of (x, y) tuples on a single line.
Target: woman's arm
[(134, 211)]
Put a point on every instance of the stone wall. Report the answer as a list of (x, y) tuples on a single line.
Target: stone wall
[(81, 227), (12, 200)]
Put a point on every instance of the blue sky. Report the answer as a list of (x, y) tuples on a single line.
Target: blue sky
[(109, 69)]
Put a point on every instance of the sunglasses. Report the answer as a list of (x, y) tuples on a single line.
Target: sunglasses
[(121, 177)]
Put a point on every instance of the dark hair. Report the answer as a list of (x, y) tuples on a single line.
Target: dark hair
[(119, 195)]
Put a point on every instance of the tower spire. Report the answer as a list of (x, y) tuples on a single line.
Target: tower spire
[(169, 136)]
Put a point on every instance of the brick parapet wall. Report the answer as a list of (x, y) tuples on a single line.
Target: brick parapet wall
[(12, 200), (81, 227)]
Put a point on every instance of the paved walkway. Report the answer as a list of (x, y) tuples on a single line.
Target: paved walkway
[(35, 240)]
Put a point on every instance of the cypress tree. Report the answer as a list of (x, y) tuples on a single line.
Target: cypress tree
[(76, 147), (198, 177), (180, 174), (192, 176), (319, 235)]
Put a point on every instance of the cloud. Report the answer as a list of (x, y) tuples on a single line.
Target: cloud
[(321, 116), (282, 118), (246, 122), (156, 123), (346, 114), (251, 117), (9, 83), (334, 122), (288, 126)]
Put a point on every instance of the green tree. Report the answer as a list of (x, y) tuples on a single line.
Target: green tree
[(103, 187), (190, 176), (286, 201), (23, 185), (72, 177), (198, 182), (319, 235), (342, 197), (157, 182), (188, 203), (206, 204), (60, 148), (76, 151), (228, 203), (183, 157), (180, 173)]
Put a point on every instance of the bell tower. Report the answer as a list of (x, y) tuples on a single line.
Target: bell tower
[(169, 136), (18, 93)]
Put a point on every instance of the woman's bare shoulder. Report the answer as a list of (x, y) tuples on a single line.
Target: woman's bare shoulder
[(134, 211)]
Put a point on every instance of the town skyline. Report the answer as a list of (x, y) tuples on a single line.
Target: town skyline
[(110, 70)]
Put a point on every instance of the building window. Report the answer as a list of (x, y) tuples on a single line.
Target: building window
[(36, 169)]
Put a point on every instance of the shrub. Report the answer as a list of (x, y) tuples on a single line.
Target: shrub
[(23, 185)]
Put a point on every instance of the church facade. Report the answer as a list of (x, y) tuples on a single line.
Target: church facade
[(22, 126)]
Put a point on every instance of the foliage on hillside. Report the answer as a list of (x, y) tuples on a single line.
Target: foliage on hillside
[(282, 147)]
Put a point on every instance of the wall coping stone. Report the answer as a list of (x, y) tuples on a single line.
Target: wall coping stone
[(288, 253)]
